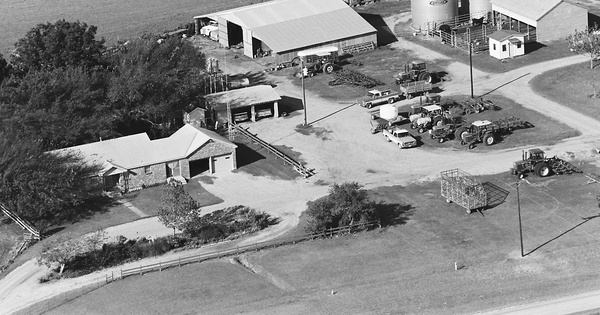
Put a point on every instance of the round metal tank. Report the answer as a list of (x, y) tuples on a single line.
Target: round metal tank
[(480, 7), (435, 11), (388, 112)]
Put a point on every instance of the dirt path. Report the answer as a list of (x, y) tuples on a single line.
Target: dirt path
[(340, 149)]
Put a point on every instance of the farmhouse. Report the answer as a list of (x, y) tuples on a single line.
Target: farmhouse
[(135, 161), (281, 28), (540, 20), (506, 44), (245, 104)]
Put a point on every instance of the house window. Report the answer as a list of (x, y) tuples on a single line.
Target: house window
[(494, 46), (503, 47), (519, 45), (147, 170)]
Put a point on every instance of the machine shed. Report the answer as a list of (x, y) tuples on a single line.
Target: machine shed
[(540, 20), (249, 103), (281, 28)]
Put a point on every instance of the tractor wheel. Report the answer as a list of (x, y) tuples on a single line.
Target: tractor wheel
[(421, 129), (438, 121), (489, 139), (471, 146), (408, 96), (295, 62), (328, 68), (425, 76), (541, 170), (441, 140), (458, 134)]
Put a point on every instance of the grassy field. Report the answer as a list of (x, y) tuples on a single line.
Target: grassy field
[(572, 87), (116, 20), (405, 268)]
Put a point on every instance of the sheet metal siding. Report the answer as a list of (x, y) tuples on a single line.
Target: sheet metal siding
[(514, 15), (223, 36), (531, 9), (287, 56), (425, 11), (281, 11), (561, 22)]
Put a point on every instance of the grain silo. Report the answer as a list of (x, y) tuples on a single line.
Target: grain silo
[(432, 11), (479, 8)]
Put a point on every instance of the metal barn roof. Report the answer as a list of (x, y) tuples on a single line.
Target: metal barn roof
[(532, 9), (290, 24), (253, 95)]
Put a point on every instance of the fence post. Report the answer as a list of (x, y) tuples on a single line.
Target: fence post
[(121, 273), (256, 246), (179, 261), (159, 266)]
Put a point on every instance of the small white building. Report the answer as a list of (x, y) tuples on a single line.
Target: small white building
[(506, 44)]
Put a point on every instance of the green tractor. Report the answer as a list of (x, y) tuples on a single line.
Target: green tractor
[(533, 161)]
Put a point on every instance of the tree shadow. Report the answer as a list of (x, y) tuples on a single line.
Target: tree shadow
[(494, 194), (92, 206), (254, 78), (53, 231), (384, 34), (390, 214), (585, 220), (246, 155)]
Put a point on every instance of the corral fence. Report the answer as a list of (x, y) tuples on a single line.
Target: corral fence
[(464, 29), (56, 301)]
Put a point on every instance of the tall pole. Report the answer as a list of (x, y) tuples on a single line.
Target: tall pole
[(520, 226), (303, 91), (471, 66)]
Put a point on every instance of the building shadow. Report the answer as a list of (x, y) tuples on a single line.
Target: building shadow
[(290, 104), (533, 46), (593, 20), (245, 155), (494, 194), (384, 34), (585, 220)]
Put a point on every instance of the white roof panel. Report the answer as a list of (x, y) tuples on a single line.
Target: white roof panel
[(532, 9)]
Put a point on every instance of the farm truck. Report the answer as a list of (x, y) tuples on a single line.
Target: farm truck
[(377, 97), (400, 136), (534, 161), (387, 117)]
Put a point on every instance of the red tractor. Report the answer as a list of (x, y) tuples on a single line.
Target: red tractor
[(414, 71), (319, 59)]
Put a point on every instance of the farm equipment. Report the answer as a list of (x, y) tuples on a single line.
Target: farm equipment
[(488, 132), (449, 124), (424, 119), (377, 97), (414, 71), (319, 59), (400, 136), (463, 189), (537, 163), (387, 117), (410, 89)]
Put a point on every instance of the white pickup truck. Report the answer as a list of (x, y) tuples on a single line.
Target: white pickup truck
[(377, 97), (400, 136)]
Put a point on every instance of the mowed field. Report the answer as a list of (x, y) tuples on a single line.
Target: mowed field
[(116, 20), (407, 268)]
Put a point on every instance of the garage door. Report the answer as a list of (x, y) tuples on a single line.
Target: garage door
[(222, 163)]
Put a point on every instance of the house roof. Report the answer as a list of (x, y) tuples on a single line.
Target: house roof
[(138, 150), (253, 95), (532, 9), (503, 35), (290, 24)]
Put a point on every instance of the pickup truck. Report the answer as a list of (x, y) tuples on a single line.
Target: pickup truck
[(377, 97), (400, 136)]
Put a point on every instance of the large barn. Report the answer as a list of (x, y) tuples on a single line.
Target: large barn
[(540, 20), (281, 28)]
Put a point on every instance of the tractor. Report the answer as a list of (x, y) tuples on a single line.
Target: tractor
[(479, 131), (533, 161), (414, 71), (425, 117), (446, 126), (319, 59)]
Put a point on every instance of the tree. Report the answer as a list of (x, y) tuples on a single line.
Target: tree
[(178, 208), (56, 45), (62, 251), (46, 189), (346, 204), (4, 68), (154, 80), (586, 42)]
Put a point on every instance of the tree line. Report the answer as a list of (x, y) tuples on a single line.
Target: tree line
[(63, 87)]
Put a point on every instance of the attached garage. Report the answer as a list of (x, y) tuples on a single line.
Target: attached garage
[(281, 28), (540, 20)]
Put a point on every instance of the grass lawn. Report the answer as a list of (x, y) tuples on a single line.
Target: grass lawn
[(572, 87), (404, 268)]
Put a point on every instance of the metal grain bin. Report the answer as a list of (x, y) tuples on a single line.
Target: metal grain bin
[(479, 8), (432, 11)]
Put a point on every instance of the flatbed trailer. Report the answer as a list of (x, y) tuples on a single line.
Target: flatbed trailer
[(410, 89)]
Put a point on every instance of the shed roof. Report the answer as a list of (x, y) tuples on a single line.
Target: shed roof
[(532, 9), (253, 95), (290, 24), (503, 35), (138, 150)]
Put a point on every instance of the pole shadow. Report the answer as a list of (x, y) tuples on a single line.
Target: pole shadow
[(585, 220), (505, 84)]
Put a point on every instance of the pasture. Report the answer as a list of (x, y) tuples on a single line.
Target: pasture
[(406, 268)]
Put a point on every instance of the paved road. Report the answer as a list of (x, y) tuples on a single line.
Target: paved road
[(585, 302)]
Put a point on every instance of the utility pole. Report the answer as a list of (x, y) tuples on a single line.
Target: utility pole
[(520, 225), (303, 90), (471, 66)]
